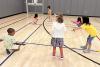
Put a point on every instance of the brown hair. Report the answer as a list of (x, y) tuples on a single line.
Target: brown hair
[(36, 15), (49, 7), (10, 30), (60, 19), (86, 20)]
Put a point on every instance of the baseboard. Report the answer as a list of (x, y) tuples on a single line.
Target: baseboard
[(11, 15), (79, 15)]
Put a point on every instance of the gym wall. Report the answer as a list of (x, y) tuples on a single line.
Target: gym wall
[(10, 7), (73, 7), (68, 7)]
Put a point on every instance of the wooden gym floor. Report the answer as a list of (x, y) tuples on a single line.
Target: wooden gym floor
[(38, 51)]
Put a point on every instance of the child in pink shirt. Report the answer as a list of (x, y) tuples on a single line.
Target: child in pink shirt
[(78, 22)]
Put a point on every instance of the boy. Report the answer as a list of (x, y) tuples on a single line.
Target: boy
[(9, 41)]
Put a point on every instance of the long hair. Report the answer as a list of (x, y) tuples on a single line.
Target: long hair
[(79, 19), (86, 20), (49, 7)]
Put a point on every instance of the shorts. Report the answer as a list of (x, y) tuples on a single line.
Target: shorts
[(57, 42), (89, 39)]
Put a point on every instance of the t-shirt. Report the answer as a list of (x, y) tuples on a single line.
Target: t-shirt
[(58, 30), (8, 41), (90, 29)]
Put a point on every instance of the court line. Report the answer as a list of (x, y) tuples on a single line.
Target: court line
[(23, 27), (73, 50), (14, 22), (9, 20), (38, 44), (23, 42), (13, 51), (51, 45)]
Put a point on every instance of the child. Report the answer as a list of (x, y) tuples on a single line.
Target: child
[(58, 29), (35, 19), (9, 40), (78, 22), (49, 13), (91, 30)]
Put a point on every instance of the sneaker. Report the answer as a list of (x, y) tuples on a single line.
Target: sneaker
[(83, 47), (86, 51), (61, 58)]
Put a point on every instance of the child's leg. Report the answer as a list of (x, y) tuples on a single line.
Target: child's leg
[(89, 47), (54, 51), (50, 18), (61, 51), (85, 47), (35, 22), (90, 42)]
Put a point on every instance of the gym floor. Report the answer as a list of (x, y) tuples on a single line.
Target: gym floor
[(38, 50)]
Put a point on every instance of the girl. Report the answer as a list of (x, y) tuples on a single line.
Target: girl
[(78, 22), (35, 19), (91, 30), (58, 29), (49, 13)]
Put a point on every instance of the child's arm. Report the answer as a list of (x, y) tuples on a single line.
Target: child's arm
[(19, 43), (76, 28), (73, 21), (35, 21), (81, 27)]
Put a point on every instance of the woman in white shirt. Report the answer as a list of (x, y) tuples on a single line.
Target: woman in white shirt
[(58, 29)]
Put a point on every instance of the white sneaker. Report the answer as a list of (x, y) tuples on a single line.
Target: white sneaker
[(86, 51), (61, 58)]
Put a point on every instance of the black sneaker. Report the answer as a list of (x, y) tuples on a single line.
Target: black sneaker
[(8, 52)]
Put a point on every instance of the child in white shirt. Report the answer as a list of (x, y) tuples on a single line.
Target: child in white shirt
[(58, 29)]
